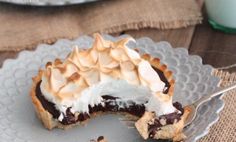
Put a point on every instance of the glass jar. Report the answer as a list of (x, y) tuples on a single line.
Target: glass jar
[(222, 14)]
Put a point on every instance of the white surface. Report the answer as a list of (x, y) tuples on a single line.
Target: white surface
[(18, 121)]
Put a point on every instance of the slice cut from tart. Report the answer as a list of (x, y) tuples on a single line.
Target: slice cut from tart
[(109, 77)]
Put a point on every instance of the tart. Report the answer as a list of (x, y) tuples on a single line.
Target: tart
[(109, 77)]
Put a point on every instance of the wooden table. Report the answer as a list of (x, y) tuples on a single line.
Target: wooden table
[(216, 48)]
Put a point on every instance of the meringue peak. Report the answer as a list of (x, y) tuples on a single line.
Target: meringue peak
[(105, 58), (104, 62), (100, 44)]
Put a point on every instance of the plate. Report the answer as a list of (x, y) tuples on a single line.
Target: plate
[(18, 121), (47, 2)]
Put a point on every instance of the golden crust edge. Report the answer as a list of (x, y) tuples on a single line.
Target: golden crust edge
[(155, 62), (42, 114)]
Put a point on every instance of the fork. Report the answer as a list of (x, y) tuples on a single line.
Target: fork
[(195, 106)]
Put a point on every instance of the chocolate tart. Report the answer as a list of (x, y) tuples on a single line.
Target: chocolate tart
[(167, 126)]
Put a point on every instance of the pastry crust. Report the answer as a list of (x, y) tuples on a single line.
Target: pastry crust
[(155, 62), (172, 131), (48, 121)]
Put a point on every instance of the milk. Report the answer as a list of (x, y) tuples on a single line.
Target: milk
[(222, 12)]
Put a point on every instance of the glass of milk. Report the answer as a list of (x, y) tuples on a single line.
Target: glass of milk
[(222, 14)]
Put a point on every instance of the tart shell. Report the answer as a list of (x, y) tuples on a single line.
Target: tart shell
[(173, 131)]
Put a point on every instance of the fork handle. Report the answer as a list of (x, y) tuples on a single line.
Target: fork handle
[(214, 94)]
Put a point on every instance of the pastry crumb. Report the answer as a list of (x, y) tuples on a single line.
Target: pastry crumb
[(99, 139)]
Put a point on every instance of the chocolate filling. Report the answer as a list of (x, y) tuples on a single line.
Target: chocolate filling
[(164, 79), (110, 104), (100, 138), (168, 119), (49, 106)]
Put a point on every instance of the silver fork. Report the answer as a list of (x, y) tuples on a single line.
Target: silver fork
[(194, 107)]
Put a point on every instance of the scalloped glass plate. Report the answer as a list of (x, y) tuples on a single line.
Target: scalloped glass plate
[(47, 2), (19, 123)]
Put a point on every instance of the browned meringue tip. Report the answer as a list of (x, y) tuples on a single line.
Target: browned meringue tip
[(155, 62), (102, 44), (61, 69), (99, 43), (123, 42), (57, 62), (127, 65), (73, 77), (48, 64), (136, 49)]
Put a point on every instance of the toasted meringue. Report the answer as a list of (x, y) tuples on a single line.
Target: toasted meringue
[(163, 102), (106, 68), (149, 77)]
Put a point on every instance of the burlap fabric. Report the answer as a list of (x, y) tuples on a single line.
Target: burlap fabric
[(23, 27), (225, 129)]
